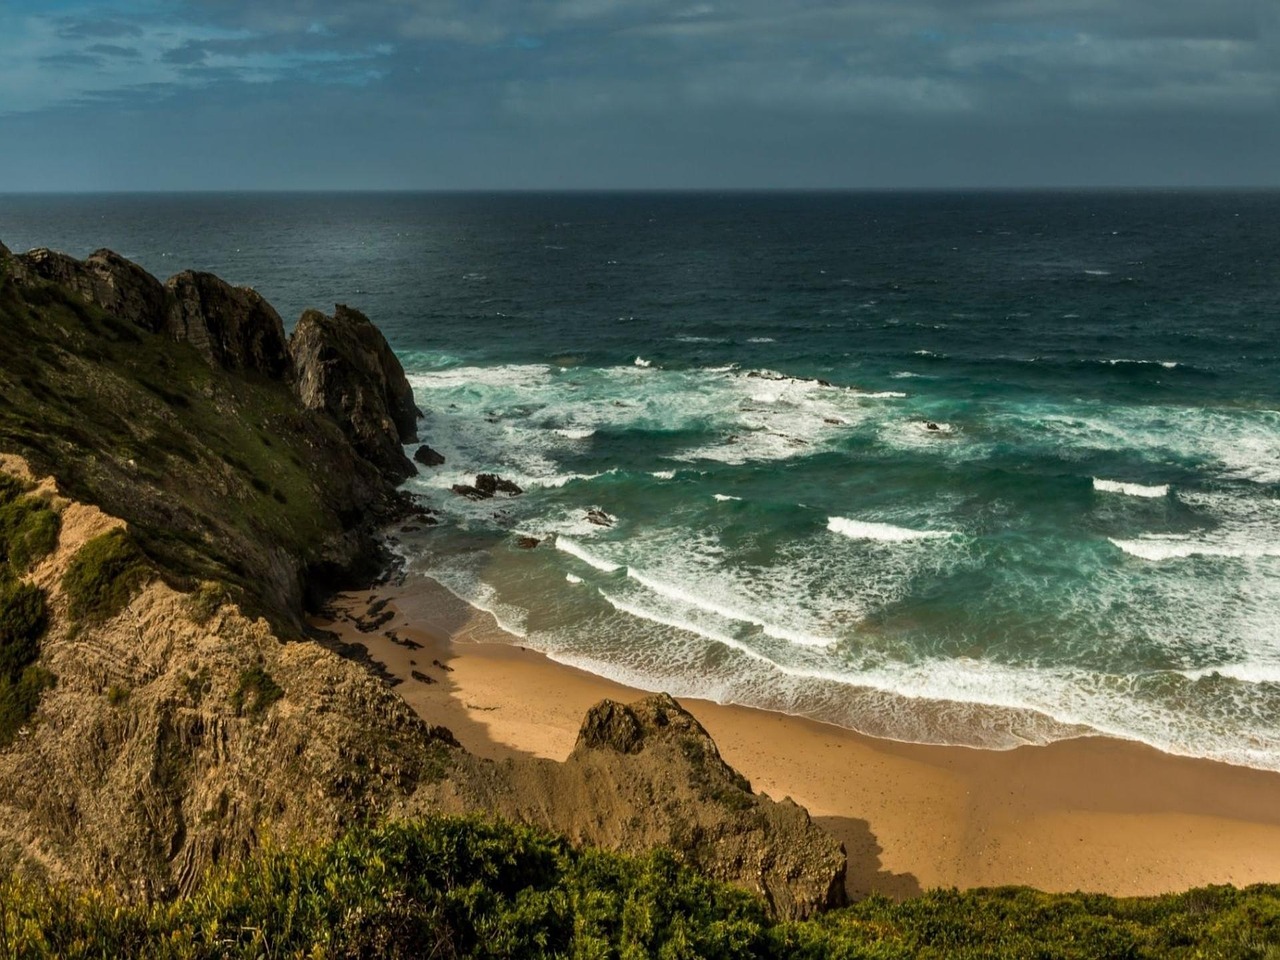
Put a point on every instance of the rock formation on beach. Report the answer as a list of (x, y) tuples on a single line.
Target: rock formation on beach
[(193, 480)]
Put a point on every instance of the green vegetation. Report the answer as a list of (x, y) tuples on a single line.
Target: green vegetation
[(28, 528), (448, 887), (206, 466), (28, 531), (206, 599), (257, 691), (103, 577)]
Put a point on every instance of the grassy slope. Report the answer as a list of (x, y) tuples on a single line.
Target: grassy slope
[(465, 888), (221, 477)]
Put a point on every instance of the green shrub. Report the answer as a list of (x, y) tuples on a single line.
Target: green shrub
[(103, 577), (28, 532), (117, 696), (206, 599), (19, 697), (257, 691), (466, 888)]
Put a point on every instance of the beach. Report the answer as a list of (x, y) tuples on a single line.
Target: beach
[(1094, 814)]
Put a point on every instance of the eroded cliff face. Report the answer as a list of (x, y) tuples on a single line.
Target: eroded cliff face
[(647, 774), (180, 733)]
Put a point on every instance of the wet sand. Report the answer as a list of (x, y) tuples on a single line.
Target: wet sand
[(1092, 814)]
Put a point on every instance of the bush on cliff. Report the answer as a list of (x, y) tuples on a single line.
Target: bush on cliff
[(28, 528), (449, 887), (24, 616), (103, 577)]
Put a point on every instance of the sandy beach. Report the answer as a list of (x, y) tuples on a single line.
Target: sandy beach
[(1091, 814)]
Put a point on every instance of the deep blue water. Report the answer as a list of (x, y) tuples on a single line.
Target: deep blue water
[(1088, 540)]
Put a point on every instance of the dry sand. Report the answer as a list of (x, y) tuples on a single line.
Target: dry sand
[(1091, 814)]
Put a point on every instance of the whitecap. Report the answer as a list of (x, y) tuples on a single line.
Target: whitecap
[(761, 340), (723, 610), (1157, 548), (663, 474), (641, 362), (722, 497), (884, 395), (572, 579), (869, 530), (1098, 273), (1130, 489), (572, 548), (575, 434)]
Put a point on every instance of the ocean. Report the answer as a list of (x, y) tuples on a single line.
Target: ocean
[(968, 468)]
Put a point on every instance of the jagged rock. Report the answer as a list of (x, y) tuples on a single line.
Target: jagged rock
[(647, 774), (106, 279), (490, 484), (232, 327), (614, 726), (428, 457), (487, 486), (599, 517), (345, 367), (527, 543)]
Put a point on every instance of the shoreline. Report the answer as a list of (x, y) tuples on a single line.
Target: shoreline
[(1094, 813)]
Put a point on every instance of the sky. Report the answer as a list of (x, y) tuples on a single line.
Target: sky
[(644, 94)]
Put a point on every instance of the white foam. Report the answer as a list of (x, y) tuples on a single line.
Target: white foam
[(575, 434), (679, 623), (884, 395), (1130, 489), (1157, 548), (575, 550), (1098, 273), (663, 474), (1167, 364), (1247, 672), (761, 340), (724, 610), (572, 579), (722, 497), (642, 362), (869, 530)]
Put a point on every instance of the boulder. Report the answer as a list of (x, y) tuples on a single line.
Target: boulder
[(428, 457), (234, 328), (345, 367)]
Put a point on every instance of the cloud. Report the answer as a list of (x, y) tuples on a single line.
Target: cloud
[(764, 74)]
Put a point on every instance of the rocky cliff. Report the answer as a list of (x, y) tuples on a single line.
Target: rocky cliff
[(175, 406), (171, 467)]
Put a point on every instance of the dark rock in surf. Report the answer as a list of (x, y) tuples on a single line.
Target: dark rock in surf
[(428, 457)]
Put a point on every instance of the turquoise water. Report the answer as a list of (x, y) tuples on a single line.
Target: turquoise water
[(1087, 539)]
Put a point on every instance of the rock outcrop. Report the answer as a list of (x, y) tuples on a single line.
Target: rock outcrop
[(647, 774), (202, 446), (232, 327), (345, 368), (428, 457), (106, 279)]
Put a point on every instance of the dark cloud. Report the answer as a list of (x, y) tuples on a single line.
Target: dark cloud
[(701, 92), (70, 28), (113, 50)]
